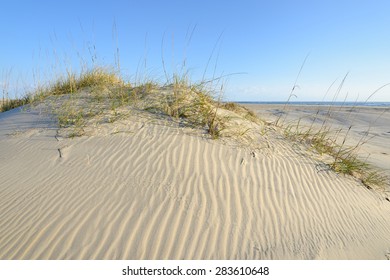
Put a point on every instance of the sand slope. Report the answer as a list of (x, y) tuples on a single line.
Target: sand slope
[(366, 123), (150, 191)]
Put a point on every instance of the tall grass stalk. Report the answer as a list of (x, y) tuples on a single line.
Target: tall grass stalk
[(292, 91)]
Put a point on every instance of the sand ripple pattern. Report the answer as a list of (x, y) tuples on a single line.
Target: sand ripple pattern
[(157, 193)]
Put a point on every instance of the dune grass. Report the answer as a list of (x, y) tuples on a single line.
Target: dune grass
[(326, 139), (107, 94), (97, 77), (9, 104), (345, 159)]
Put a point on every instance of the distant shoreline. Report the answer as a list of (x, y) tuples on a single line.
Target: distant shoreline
[(319, 103)]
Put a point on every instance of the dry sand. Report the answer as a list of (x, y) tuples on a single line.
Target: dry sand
[(367, 123), (139, 189)]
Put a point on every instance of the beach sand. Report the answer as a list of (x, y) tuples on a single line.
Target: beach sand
[(141, 189), (367, 123)]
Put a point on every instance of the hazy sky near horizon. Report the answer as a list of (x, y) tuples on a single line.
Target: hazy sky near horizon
[(264, 41)]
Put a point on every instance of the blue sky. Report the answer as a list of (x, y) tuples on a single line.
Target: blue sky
[(265, 41)]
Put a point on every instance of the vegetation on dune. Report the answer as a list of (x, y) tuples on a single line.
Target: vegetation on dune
[(101, 92), (106, 93), (97, 77), (325, 139), (9, 104), (345, 159)]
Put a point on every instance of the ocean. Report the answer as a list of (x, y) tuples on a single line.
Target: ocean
[(323, 103)]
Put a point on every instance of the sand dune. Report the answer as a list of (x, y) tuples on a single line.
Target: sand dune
[(139, 189), (367, 123)]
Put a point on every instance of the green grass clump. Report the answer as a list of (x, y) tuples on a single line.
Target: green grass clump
[(10, 104), (71, 118), (97, 77), (368, 175), (345, 158), (142, 90), (190, 103), (242, 111), (375, 178)]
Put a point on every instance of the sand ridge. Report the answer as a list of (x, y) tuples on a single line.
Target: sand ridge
[(152, 191)]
